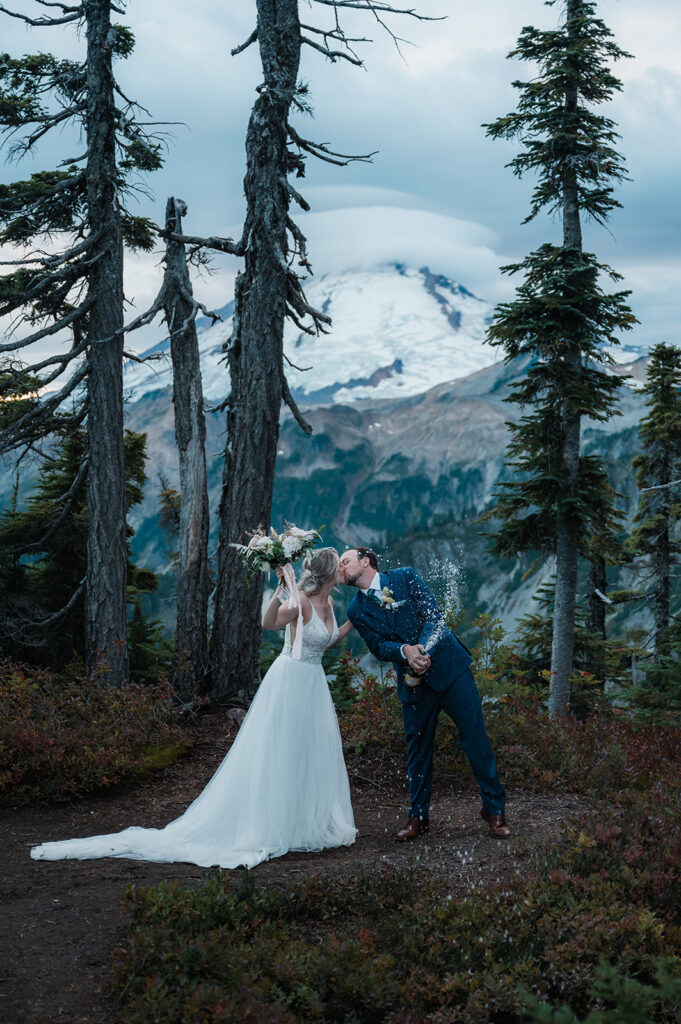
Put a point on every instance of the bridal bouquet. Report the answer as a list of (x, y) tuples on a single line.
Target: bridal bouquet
[(266, 551)]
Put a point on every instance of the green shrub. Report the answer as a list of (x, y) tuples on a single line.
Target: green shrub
[(64, 736)]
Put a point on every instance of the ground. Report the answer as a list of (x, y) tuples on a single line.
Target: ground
[(61, 920)]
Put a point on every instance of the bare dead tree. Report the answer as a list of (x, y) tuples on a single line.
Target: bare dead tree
[(268, 290), (190, 662)]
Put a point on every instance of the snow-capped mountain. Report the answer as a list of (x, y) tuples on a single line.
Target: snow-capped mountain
[(397, 332)]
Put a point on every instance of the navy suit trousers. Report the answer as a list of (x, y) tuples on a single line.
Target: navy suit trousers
[(461, 701)]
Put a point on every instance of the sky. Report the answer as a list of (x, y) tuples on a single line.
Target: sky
[(436, 193)]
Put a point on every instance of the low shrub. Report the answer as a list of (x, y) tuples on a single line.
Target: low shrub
[(388, 948), (64, 736), (588, 932)]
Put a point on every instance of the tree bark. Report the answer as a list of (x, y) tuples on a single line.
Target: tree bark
[(255, 356), (563, 642), (661, 560), (105, 600), (190, 662), (596, 607)]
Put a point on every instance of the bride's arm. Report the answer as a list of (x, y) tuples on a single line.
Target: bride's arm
[(346, 628), (277, 615)]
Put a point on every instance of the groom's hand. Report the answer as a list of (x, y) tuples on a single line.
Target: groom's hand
[(417, 658)]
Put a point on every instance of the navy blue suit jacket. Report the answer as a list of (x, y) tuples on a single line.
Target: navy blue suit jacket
[(418, 621)]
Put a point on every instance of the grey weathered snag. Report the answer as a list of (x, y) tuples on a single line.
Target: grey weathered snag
[(190, 662), (105, 591), (268, 290), (256, 353)]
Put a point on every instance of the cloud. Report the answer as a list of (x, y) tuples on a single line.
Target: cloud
[(366, 236)]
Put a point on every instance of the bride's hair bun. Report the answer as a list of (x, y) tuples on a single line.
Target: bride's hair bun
[(318, 568)]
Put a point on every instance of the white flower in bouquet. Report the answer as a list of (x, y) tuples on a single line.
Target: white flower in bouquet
[(268, 550), (291, 546), (260, 543)]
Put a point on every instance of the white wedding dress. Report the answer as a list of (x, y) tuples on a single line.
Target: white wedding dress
[(282, 786)]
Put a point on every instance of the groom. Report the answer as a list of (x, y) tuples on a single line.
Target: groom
[(413, 635)]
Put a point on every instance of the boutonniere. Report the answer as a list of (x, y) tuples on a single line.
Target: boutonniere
[(386, 599)]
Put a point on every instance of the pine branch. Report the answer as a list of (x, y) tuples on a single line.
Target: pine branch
[(31, 427), (67, 500)]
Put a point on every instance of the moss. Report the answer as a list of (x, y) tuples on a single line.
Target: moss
[(154, 756)]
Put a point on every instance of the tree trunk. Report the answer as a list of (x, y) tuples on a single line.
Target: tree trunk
[(255, 356), (105, 600), (661, 560), (563, 643), (562, 648), (598, 580), (190, 662)]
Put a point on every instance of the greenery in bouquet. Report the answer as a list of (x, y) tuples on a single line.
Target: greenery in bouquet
[(266, 551)]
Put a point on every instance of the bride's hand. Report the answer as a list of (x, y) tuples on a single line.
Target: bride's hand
[(280, 575)]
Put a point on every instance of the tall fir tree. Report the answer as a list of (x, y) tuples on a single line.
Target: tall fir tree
[(561, 317), (655, 538), (70, 225)]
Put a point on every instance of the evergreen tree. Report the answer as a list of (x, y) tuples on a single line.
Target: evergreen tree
[(655, 537), (71, 223), (149, 651), (43, 553), (561, 317), (596, 660)]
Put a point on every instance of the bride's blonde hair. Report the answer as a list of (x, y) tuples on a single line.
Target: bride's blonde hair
[(318, 568)]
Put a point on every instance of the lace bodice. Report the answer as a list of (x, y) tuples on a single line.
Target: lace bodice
[(315, 638)]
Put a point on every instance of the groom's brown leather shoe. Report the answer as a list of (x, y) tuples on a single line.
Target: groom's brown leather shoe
[(497, 825), (416, 827)]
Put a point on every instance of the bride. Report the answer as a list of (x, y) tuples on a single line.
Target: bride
[(283, 784)]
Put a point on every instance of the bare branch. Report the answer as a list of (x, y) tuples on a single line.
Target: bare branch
[(333, 55), (376, 7), (44, 21), (322, 152), (76, 314), (297, 415), (379, 9), (302, 202), (244, 46), (661, 487), (144, 359), (301, 369), (296, 297), (227, 245)]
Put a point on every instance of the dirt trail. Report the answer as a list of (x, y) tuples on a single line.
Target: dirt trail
[(60, 921)]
